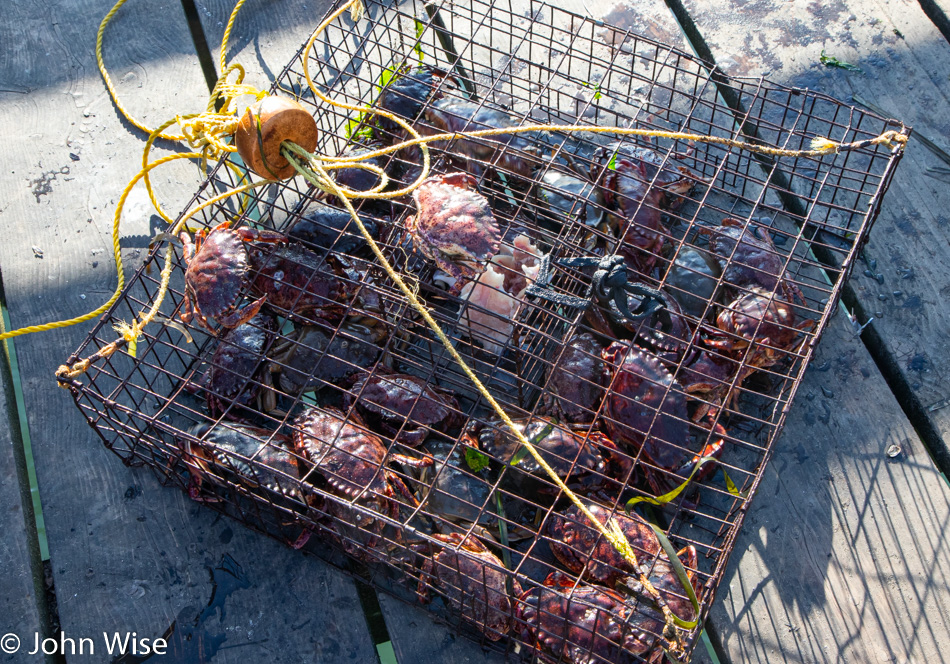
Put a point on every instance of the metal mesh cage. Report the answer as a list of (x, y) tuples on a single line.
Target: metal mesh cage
[(336, 422)]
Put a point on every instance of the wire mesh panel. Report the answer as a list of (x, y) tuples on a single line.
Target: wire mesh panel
[(643, 310)]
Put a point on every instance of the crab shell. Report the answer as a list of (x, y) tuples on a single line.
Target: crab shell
[(406, 94), (585, 624), (404, 406), (345, 453), (236, 361), (645, 408), (217, 266), (254, 457), (515, 154), (707, 378), (474, 581), (636, 215), (300, 284), (762, 319), (674, 181), (671, 342), (582, 459), (310, 359), (749, 257), (454, 226), (585, 552), (575, 383), (352, 461)]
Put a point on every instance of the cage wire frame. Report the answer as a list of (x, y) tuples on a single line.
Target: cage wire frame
[(516, 62)]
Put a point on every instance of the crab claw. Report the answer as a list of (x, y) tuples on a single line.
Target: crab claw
[(241, 316)]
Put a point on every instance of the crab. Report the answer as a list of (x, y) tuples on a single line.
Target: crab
[(255, 458), (749, 258), (667, 331), (585, 624), (645, 410), (216, 271), (406, 94), (675, 182), (565, 198), (513, 153), (459, 499), (586, 460), (313, 356), (585, 552), (692, 279), (326, 228), (474, 581), (403, 406), (454, 226), (301, 285), (707, 378), (352, 461), (759, 319), (634, 214), (231, 380), (575, 384)]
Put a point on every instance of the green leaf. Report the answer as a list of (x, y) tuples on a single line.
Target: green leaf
[(502, 530), (420, 28), (597, 94), (732, 488), (831, 61), (667, 497), (681, 574), (475, 460), (534, 440)]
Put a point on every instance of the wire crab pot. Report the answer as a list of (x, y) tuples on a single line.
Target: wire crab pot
[(335, 421)]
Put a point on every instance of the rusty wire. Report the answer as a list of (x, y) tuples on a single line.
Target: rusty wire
[(534, 63)]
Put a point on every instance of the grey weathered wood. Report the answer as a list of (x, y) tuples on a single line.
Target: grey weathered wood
[(126, 554), (19, 552), (843, 555), (902, 56), (417, 638)]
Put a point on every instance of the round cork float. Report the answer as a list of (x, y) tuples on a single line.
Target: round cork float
[(266, 125)]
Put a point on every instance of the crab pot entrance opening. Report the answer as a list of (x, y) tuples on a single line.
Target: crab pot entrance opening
[(335, 421)]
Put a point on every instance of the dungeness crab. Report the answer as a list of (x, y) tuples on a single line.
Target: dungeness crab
[(474, 581), (581, 624), (645, 410), (749, 257), (352, 460), (761, 319), (217, 266), (255, 458), (454, 226), (584, 460), (403, 406), (585, 552)]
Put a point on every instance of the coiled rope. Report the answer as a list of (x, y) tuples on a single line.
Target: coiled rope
[(208, 133)]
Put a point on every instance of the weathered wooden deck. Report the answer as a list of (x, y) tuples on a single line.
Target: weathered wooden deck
[(844, 556)]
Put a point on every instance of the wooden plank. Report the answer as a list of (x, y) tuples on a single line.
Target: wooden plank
[(19, 551), (851, 576), (901, 55), (417, 638), (126, 554), (843, 555)]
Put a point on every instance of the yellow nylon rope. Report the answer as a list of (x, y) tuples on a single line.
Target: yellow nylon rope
[(207, 131)]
